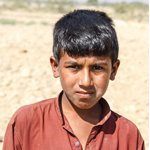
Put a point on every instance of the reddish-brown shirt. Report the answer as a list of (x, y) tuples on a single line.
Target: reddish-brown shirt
[(42, 126)]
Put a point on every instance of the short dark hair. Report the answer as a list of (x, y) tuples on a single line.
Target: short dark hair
[(84, 33)]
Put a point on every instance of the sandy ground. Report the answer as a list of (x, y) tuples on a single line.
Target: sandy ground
[(26, 77)]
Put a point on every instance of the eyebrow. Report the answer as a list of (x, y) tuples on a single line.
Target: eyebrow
[(97, 63), (70, 62), (101, 63)]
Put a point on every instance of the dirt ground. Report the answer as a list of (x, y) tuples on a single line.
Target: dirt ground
[(26, 77)]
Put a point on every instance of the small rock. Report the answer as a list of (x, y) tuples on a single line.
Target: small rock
[(1, 139), (24, 51)]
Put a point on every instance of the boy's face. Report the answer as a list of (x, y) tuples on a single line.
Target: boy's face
[(84, 80)]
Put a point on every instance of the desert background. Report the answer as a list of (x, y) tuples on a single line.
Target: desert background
[(26, 45)]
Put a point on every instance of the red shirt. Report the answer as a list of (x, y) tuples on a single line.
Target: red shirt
[(42, 126)]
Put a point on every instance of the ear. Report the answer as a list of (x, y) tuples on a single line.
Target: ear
[(115, 67), (55, 66)]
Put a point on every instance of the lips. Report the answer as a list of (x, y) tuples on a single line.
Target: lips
[(85, 94)]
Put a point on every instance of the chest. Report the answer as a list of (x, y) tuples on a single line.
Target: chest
[(60, 137), (82, 131)]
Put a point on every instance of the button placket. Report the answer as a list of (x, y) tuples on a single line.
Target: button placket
[(92, 136)]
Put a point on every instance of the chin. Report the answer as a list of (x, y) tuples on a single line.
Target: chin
[(84, 106)]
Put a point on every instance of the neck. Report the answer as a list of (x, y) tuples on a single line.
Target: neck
[(91, 115)]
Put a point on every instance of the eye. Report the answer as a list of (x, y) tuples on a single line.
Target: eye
[(75, 67), (97, 67)]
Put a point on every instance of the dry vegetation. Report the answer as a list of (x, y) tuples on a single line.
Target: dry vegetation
[(25, 47)]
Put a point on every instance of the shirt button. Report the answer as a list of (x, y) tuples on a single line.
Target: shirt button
[(77, 144)]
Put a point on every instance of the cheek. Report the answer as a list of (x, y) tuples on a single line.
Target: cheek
[(102, 82), (67, 80)]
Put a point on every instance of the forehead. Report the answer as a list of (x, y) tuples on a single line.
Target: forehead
[(65, 58)]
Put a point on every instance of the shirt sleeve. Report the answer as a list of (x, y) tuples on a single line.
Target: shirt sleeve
[(136, 141), (15, 130), (141, 145), (11, 139)]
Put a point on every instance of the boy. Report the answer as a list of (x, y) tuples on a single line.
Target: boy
[(85, 58)]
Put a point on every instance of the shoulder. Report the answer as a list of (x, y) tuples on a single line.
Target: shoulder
[(127, 131), (27, 112), (119, 124), (26, 119), (127, 128), (123, 122)]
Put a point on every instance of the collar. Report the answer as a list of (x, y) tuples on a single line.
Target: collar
[(106, 112)]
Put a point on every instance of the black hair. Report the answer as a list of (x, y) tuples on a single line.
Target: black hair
[(84, 33)]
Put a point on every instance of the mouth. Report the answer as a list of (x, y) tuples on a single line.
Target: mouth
[(85, 94)]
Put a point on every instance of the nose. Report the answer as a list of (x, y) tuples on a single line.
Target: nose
[(85, 79)]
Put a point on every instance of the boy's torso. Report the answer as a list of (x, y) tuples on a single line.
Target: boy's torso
[(42, 126)]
